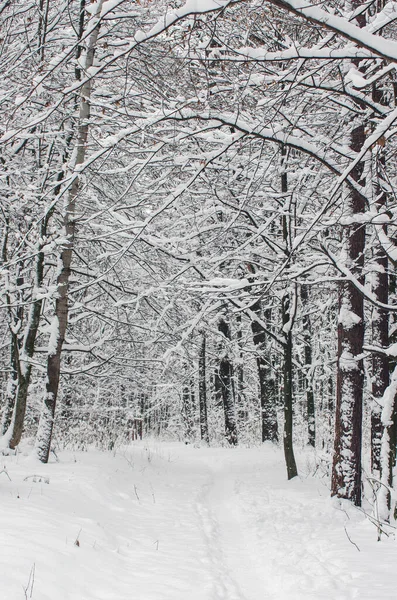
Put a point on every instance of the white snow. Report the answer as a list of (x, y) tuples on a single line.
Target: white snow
[(387, 404), (176, 522), (356, 78), (54, 336), (347, 318), (362, 37)]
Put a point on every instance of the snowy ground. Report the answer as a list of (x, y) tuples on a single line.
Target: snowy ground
[(174, 522)]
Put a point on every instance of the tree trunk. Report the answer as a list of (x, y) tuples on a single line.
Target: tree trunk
[(266, 381), (26, 352), (60, 319), (307, 336), (226, 383), (187, 410), (387, 449), (380, 290), (15, 324), (239, 373), (346, 470), (292, 470), (287, 321), (12, 388), (202, 373), (380, 362)]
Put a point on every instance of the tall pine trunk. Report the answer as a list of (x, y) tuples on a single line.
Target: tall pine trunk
[(346, 469)]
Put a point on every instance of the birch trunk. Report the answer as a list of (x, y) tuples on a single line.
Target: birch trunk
[(60, 319)]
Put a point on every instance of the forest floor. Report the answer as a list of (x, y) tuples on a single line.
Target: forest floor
[(162, 521)]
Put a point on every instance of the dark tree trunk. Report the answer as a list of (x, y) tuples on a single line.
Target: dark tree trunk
[(393, 441), (307, 336), (239, 371), (188, 410), (287, 321), (202, 374), (266, 379), (380, 318), (217, 389), (144, 405), (226, 383), (26, 353), (380, 362), (292, 470), (346, 470), (392, 366), (14, 409), (12, 387), (16, 345), (12, 379)]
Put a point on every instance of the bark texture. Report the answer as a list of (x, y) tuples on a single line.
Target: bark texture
[(25, 354), (202, 373), (60, 320), (226, 384), (269, 423), (290, 462), (380, 290), (307, 336), (188, 410), (287, 321), (346, 470)]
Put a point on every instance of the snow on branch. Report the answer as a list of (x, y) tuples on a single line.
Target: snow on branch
[(191, 8), (361, 36), (350, 277)]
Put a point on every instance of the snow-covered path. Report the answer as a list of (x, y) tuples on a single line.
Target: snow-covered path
[(230, 538), (171, 522)]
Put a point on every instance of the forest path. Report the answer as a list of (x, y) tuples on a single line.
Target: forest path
[(163, 521), (231, 540), (263, 536), (269, 539)]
